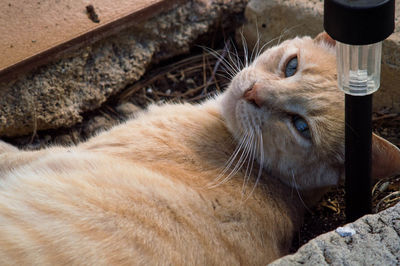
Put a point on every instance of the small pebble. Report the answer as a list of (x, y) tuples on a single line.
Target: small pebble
[(345, 231)]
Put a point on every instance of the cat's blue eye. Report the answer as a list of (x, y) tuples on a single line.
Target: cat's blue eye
[(291, 67), (302, 127)]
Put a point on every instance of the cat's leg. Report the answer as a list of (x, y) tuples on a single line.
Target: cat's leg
[(5, 147)]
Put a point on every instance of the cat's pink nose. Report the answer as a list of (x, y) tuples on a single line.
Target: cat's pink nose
[(250, 95)]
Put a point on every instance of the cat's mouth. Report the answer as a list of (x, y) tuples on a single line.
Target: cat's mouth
[(248, 117)]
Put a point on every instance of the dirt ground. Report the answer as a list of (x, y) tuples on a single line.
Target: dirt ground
[(192, 78)]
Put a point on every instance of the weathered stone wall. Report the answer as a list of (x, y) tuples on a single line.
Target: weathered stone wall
[(57, 94), (273, 20), (376, 242)]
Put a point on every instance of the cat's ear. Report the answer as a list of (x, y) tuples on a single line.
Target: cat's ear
[(325, 38), (385, 158)]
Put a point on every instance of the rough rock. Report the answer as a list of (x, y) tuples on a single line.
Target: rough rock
[(376, 242), (57, 94), (276, 20)]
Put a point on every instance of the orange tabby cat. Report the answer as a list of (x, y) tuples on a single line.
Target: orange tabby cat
[(211, 184)]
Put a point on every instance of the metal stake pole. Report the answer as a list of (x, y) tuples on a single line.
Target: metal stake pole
[(359, 27), (358, 130)]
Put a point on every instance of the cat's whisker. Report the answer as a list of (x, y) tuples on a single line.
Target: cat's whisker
[(252, 159), (244, 44), (291, 192), (229, 69), (261, 162), (238, 60), (254, 50), (236, 152), (240, 163), (233, 57), (218, 63), (260, 50), (224, 76), (286, 31), (280, 37), (243, 158), (237, 63), (250, 165), (233, 70), (230, 161), (298, 192), (256, 46), (254, 148), (226, 71), (264, 45)]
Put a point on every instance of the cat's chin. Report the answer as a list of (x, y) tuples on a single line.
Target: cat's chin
[(248, 117), (311, 179), (238, 114)]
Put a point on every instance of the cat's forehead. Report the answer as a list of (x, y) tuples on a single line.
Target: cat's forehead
[(291, 44), (309, 52)]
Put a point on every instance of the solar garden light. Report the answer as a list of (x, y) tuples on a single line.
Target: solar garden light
[(359, 27)]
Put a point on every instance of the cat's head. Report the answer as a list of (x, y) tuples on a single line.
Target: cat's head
[(289, 96)]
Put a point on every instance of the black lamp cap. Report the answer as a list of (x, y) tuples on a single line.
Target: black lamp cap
[(359, 22)]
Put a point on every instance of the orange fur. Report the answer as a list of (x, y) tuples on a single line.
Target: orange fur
[(140, 193)]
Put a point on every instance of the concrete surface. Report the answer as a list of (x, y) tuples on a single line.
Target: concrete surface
[(57, 94), (276, 20), (34, 31), (376, 242)]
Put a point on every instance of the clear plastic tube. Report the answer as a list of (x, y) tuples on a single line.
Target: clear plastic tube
[(359, 68)]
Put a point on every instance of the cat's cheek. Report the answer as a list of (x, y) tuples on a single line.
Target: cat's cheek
[(323, 176), (228, 110), (241, 117)]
